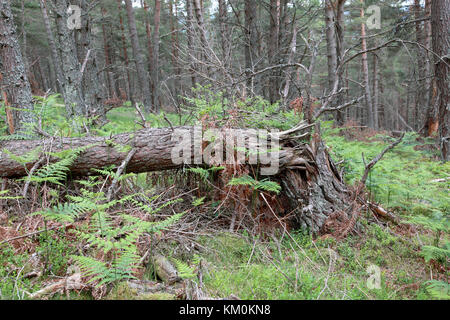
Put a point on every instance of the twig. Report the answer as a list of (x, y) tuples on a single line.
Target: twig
[(119, 172), (340, 107), (84, 63), (141, 115), (168, 121), (27, 183), (370, 165), (35, 233)]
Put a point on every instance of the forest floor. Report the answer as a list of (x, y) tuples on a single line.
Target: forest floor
[(286, 264)]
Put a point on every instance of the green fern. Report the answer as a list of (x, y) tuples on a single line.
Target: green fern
[(184, 270), (438, 289), (264, 184)]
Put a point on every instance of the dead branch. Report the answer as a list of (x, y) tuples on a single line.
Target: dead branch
[(372, 163)]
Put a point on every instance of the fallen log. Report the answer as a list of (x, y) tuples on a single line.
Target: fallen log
[(312, 188)]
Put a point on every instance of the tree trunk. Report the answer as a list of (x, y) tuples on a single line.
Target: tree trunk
[(431, 113), (251, 39), (106, 50), (365, 70), (224, 34), (440, 26), (420, 85), (272, 48), (144, 82), (198, 12), (340, 57), (149, 48), (375, 91), (190, 42), (14, 81), (129, 86), (292, 50), (56, 61), (93, 92), (331, 45), (73, 96), (155, 67), (312, 188)]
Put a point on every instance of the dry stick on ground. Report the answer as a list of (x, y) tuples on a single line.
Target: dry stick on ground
[(119, 172), (36, 232)]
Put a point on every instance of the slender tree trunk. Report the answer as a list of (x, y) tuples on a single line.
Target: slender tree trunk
[(190, 42), (144, 82), (251, 38), (420, 90), (331, 45), (73, 97), (440, 25), (375, 92), (129, 84), (198, 12), (16, 90), (272, 48), (224, 34), (155, 67), (56, 61), (106, 50), (24, 37), (365, 70), (340, 26), (431, 111), (174, 57), (149, 47), (93, 92), (292, 50)]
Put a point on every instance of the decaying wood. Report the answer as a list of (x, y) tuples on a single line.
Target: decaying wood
[(383, 213), (312, 188), (165, 270), (72, 282)]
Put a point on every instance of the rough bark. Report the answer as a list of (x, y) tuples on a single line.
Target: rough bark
[(144, 82), (224, 34), (272, 48), (93, 92), (174, 44), (430, 121), (440, 25), (251, 39), (15, 85), (198, 13), (365, 70), (311, 186), (129, 86), (340, 25), (155, 67), (106, 51), (72, 94), (149, 47), (375, 91), (292, 50), (331, 44), (190, 41)]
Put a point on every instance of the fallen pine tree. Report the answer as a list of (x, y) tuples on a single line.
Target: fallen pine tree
[(312, 190)]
